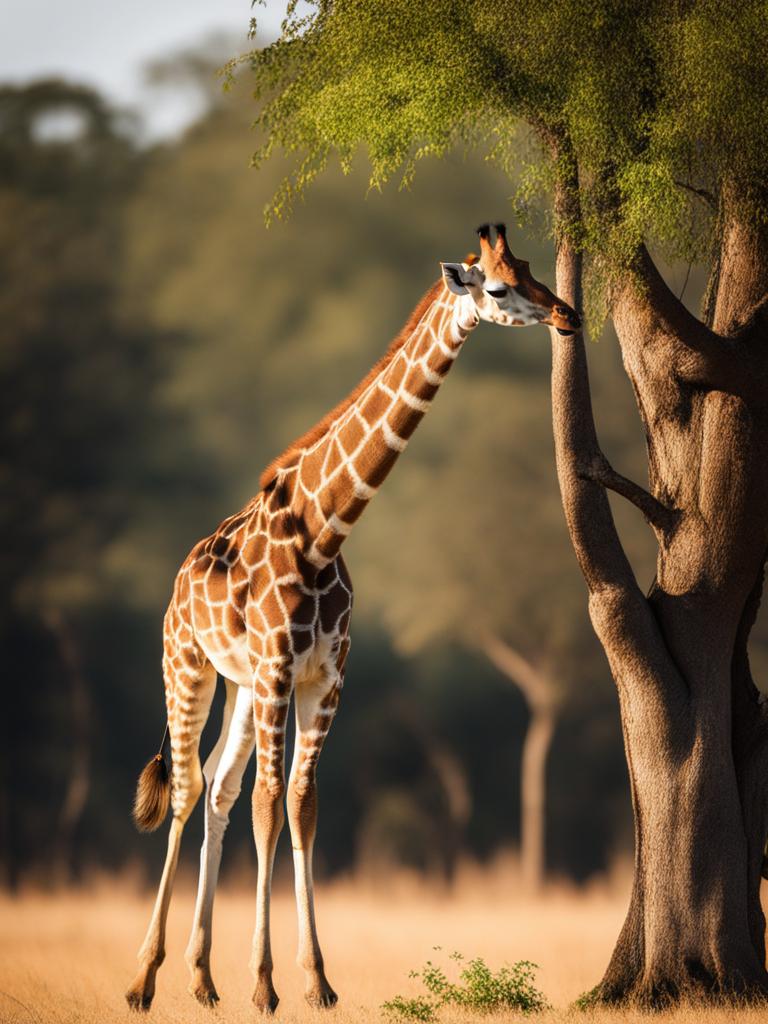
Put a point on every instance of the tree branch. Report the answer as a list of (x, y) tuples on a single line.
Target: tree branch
[(587, 511), (743, 257), (534, 684), (660, 516), (698, 356)]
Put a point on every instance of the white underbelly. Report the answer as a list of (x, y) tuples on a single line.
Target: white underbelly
[(234, 662)]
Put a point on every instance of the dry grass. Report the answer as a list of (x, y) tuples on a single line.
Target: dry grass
[(67, 960)]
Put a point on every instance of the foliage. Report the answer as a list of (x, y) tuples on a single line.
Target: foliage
[(479, 989), (655, 130)]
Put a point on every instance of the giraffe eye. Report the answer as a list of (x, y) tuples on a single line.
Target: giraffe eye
[(497, 293)]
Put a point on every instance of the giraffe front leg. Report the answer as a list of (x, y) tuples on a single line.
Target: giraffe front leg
[(270, 709), (223, 774), (316, 704)]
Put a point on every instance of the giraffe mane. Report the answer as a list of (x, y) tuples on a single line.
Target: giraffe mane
[(294, 450)]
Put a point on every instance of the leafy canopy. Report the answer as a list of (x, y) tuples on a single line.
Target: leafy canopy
[(655, 99)]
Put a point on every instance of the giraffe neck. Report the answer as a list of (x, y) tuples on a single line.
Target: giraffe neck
[(334, 479)]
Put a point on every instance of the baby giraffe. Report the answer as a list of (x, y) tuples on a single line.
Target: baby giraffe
[(265, 602)]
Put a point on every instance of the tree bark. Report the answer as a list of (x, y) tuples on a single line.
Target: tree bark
[(694, 729), (539, 694)]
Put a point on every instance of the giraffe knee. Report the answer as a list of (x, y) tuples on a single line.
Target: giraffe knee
[(186, 789), (269, 788), (223, 796), (302, 810)]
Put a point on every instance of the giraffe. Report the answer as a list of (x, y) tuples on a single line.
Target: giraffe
[(265, 602)]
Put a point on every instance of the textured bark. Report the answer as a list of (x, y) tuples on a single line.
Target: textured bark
[(694, 729), (540, 696)]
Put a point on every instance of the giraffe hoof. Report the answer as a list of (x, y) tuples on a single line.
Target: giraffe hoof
[(205, 996), (321, 997), (202, 988), (265, 999), (138, 1000), (141, 993)]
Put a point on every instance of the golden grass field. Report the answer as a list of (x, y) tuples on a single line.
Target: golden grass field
[(67, 959)]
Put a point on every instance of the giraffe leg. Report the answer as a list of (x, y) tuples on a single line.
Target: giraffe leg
[(192, 693), (316, 704), (271, 698), (223, 773)]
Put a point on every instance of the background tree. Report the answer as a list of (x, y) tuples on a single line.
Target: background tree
[(646, 127), (79, 412)]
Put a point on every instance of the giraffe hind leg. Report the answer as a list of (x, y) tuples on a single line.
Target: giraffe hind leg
[(223, 774), (271, 696), (316, 704), (189, 694)]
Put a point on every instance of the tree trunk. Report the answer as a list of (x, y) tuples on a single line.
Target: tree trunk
[(695, 732), (79, 779), (539, 693)]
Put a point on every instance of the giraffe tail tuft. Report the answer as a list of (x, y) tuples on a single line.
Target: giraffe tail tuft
[(153, 795)]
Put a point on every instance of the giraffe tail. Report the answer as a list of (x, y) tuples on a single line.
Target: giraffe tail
[(153, 792)]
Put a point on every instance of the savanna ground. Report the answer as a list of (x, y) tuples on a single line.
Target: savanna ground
[(66, 959)]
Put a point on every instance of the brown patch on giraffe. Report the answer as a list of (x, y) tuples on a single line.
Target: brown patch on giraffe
[(350, 435), (375, 461), (309, 523), (331, 699), (254, 549), (230, 526), (279, 642), (301, 607), (334, 458), (394, 376), (234, 623), (439, 363), (302, 640), (271, 609), (327, 500), (281, 525), (328, 543), (417, 384), (219, 546), (282, 560), (404, 421), (375, 406), (202, 613), (311, 466), (293, 451), (332, 607), (352, 509), (217, 581)]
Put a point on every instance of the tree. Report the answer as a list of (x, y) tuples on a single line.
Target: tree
[(644, 124)]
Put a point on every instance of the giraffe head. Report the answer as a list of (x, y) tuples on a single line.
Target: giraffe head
[(503, 289)]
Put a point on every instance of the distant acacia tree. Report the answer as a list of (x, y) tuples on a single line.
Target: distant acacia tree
[(644, 124), (483, 571)]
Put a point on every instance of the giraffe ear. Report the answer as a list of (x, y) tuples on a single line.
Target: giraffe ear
[(457, 276)]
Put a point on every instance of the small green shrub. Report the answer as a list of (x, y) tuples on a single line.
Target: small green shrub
[(478, 988)]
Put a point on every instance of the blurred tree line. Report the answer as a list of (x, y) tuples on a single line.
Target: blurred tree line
[(160, 345)]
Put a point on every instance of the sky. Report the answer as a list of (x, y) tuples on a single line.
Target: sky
[(105, 43)]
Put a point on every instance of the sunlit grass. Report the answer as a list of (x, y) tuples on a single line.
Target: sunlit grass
[(67, 959)]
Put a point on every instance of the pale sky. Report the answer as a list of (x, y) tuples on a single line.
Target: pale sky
[(105, 43)]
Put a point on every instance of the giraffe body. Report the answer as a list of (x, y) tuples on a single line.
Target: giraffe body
[(265, 602)]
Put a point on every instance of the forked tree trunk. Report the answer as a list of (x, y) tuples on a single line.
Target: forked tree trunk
[(695, 731), (540, 696)]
